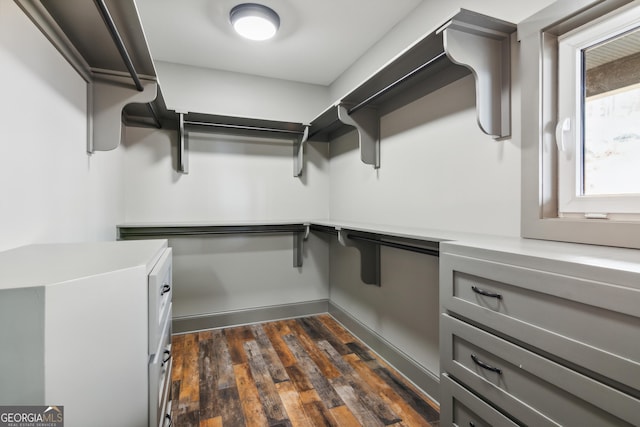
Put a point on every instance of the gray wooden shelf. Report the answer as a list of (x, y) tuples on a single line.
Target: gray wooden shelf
[(299, 230)]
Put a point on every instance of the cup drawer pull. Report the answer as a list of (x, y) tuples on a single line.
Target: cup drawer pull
[(485, 293), (166, 288), (484, 365)]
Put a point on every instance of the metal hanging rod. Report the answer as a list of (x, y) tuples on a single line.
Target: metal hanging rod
[(411, 248), (324, 229), (135, 232), (244, 127), (434, 251), (398, 82), (126, 58)]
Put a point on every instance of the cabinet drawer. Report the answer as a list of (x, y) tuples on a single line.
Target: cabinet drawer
[(459, 407), (509, 375), (160, 378), (160, 295), (593, 324)]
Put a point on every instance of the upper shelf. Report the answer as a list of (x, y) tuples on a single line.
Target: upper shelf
[(87, 34), (469, 43)]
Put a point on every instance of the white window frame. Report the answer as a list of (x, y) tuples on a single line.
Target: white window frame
[(569, 127), (540, 219)]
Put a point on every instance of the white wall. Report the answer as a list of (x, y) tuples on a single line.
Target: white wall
[(438, 171), (50, 189), (203, 90), (231, 179)]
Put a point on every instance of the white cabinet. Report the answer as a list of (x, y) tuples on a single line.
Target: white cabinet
[(543, 333), (87, 326)]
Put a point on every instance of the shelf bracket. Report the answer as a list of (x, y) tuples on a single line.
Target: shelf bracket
[(369, 258), (486, 52), (183, 146), (109, 97), (298, 152), (367, 123), (298, 244)]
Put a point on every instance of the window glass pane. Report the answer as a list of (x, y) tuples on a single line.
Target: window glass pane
[(611, 117)]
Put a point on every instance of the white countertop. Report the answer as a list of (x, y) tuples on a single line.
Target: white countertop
[(405, 232), (45, 264), (598, 263)]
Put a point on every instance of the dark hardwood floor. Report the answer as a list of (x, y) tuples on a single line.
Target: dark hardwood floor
[(299, 372)]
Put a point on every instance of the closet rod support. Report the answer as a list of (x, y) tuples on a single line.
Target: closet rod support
[(298, 152), (369, 257), (298, 245), (367, 123), (183, 147), (487, 54)]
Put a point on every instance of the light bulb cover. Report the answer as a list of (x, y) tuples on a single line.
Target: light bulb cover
[(254, 21)]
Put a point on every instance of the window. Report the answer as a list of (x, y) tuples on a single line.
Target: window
[(598, 127), (581, 122)]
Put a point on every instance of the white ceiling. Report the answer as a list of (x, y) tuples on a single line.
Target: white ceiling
[(317, 40)]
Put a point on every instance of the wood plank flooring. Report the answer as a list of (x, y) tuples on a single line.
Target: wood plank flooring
[(298, 372)]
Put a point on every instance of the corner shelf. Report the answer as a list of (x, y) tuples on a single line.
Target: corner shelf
[(367, 239)]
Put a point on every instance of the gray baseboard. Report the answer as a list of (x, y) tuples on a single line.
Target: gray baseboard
[(421, 377), (242, 317)]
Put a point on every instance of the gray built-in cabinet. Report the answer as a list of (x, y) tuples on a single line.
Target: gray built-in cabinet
[(539, 333)]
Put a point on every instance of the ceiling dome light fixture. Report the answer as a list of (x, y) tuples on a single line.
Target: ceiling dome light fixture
[(254, 21)]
